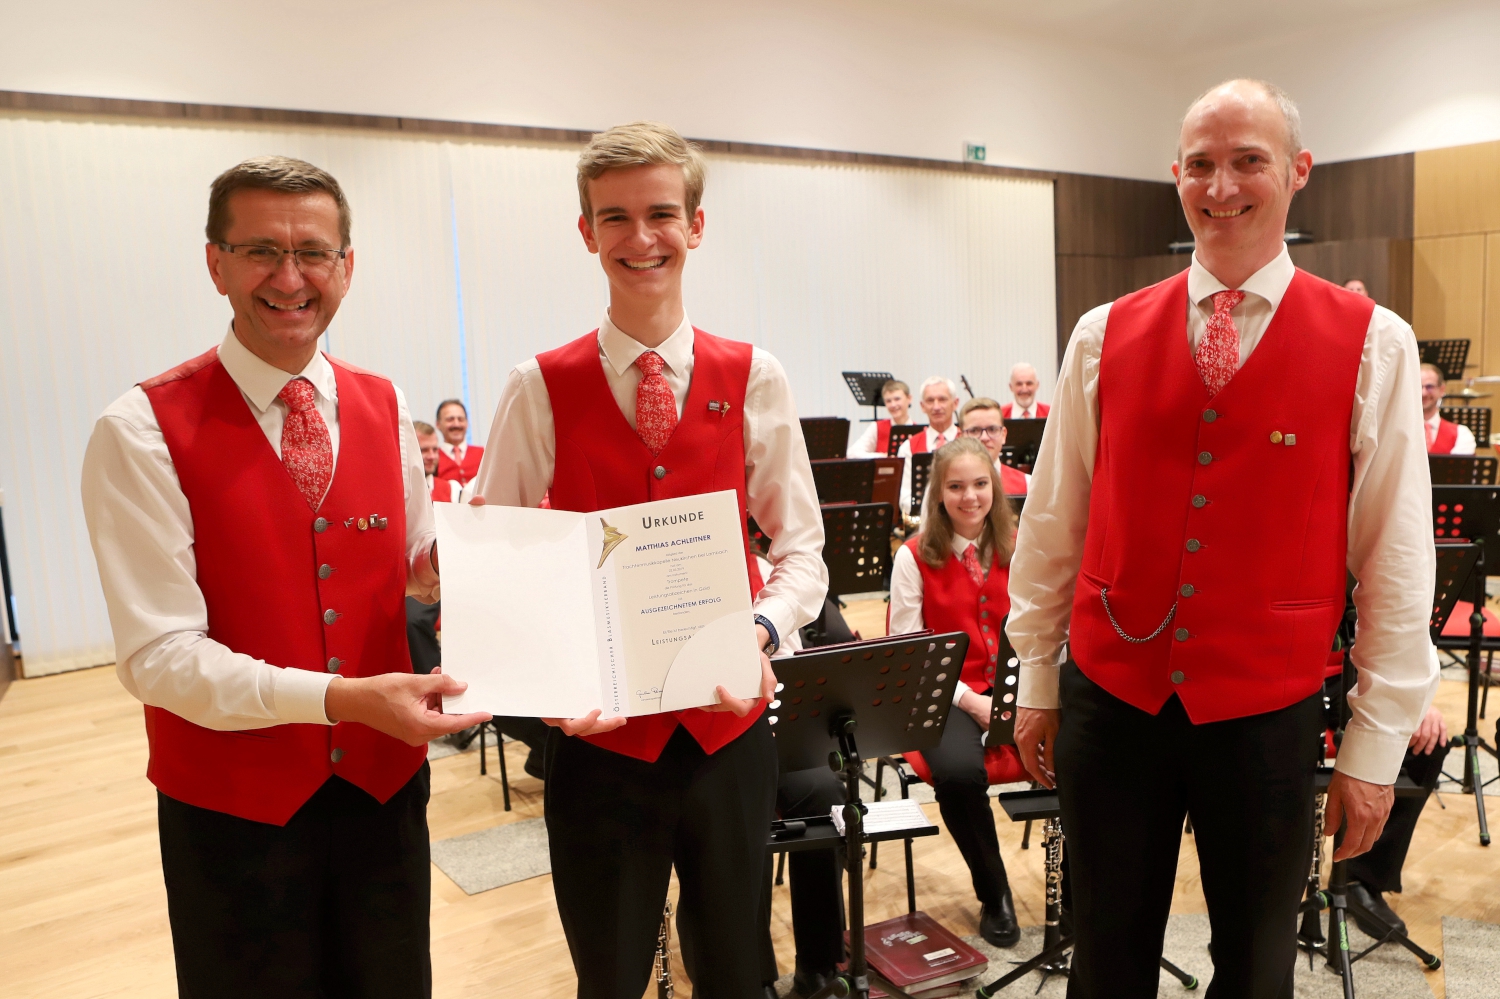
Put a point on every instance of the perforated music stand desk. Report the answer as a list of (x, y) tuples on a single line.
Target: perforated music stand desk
[(826, 436), (1023, 439), (921, 469), (900, 435), (865, 386), (1455, 563), (844, 480), (1462, 469)]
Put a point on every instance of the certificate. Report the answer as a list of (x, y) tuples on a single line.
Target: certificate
[(633, 610)]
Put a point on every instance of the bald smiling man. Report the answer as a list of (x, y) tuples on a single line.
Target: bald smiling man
[(1200, 622)]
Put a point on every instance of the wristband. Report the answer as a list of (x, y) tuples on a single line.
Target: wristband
[(765, 623)]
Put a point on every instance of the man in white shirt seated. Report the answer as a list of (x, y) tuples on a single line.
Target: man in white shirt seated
[(980, 419), (939, 402), (1023, 386), (1443, 437), (875, 441), (441, 490)]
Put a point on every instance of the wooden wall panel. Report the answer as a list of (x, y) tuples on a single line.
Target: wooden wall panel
[(1383, 264), (1356, 199), (1457, 190), (1448, 293), (1114, 217), (1492, 302)]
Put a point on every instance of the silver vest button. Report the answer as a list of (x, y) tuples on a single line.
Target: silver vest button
[(1177, 676), (1182, 634), (334, 664), (1209, 416), (660, 472), (1193, 544), (320, 525), (1187, 590), (1204, 457), (336, 755), (1200, 501), (324, 571), (330, 616)]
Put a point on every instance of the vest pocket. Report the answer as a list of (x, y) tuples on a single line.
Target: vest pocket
[(1305, 629)]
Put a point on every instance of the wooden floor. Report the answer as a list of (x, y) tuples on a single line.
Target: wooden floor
[(83, 912)]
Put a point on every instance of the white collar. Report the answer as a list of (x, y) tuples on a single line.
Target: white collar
[(962, 544), (1269, 283), (946, 435), (262, 382), (448, 449), (1437, 418), (621, 349)]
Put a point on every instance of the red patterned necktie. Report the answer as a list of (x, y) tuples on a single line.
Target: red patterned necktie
[(971, 563), (655, 405), (306, 449), (1218, 354)]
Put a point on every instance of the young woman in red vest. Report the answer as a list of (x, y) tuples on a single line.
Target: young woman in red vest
[(954, 576), (646, 407)]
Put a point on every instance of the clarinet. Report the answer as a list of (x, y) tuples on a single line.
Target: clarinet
[(1312, 923), (1052, 841), (663, 970)]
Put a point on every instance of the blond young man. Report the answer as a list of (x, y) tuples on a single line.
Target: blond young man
[(876, 440), (631, 412), (980, 419)]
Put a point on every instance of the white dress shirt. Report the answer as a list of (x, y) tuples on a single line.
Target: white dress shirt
[(1465, 443), (454, 490), (142, 532), (520, 457), (1390, 547), (934, 440), (906, 595), (865, 446), (1017, 413), (454, 451)]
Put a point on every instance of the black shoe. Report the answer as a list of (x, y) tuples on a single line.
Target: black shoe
[(1372, 901), (533, 765), (806, 982), (998, 924)]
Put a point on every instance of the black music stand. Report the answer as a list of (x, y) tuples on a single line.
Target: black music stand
[(857, 547), (1469, 514), (844, 480), (890, 692), (826, 436), (1448, 356), (899, 435), (921, 470), (1023, 439), (866, 385), (1462, 470), (1476, 418)]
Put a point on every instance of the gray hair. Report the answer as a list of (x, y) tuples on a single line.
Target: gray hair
[(940, 380), (1281, 98)]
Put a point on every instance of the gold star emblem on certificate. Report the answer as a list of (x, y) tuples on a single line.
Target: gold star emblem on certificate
[(612, 538)]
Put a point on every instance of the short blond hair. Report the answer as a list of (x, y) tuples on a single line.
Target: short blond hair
[(895, 385), (1442, 378), (641, 143), (977, 403), (423, 429)]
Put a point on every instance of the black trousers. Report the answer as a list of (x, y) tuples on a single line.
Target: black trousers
[(817, 879), (333, 904), (421, 635), (1126, 779), (962, 790), (1380, 868), (617, 827)]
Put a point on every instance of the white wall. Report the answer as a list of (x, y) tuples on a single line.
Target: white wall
[(102, 284), (1418, 79), (881, 76)]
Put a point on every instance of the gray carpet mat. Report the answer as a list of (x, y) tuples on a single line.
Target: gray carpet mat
[(1471, 958), (500, 855)]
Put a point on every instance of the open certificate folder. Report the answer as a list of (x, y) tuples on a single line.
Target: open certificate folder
[(633, 610)]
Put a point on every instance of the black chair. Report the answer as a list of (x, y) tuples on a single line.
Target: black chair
[(826, 436), (844, 480), (857, 546), (1476, 418), (1448, 356)]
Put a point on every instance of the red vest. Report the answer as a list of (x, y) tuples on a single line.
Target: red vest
[(918, 442), (444, 490), (602, 463), (882, 436), (1013, 481), (1447, 436), (259, 552), (1234, 508), (951, 602), (460, 473), (1042, 409)]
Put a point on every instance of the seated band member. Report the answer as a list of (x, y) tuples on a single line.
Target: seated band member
[(441, 490), (954, 576), (1443, 437), (875, 442), (1357, 285), (1023, 386), (940, 402), (460, 460), (258, 514), (1379, 871), (647, 407), (980, 419)]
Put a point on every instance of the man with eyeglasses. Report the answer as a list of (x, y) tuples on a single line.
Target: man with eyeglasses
[(259, 514), (980, 419)]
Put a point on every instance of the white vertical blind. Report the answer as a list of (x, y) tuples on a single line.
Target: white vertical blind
[(102, 284)]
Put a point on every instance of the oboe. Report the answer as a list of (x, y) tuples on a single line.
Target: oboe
[(663, 970)]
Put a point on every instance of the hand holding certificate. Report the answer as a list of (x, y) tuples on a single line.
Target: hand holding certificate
[(629, 611)]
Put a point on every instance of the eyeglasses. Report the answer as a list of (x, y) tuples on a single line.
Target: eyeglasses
[(984, 431), (312, 260)]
